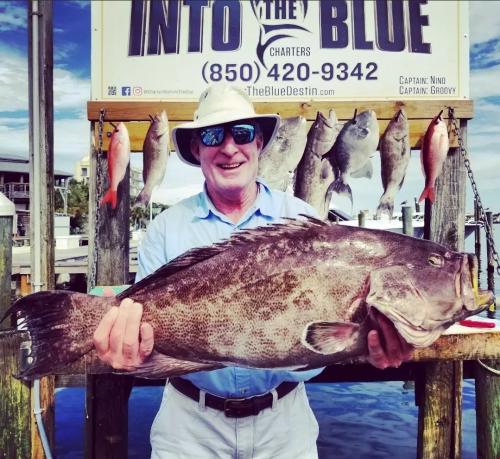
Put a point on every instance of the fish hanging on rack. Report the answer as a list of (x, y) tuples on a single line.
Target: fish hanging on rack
[(356, 143), (278, 160), (394, 159), (435, 147), (314, 174), (155, 156), (118, 159)]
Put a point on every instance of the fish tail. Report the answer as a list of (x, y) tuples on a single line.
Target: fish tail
[(428, 193), (341, 188), (386, 205), (61, 324), (111, 197), (143, 198)]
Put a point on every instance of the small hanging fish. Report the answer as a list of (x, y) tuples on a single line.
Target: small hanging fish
[(118, 159), (433, 154)]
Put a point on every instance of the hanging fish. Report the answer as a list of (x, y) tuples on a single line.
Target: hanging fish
[(155, 155), (314, 174), (278, 160), (394, 158), (433, 154), (118, 159), (356, 143)]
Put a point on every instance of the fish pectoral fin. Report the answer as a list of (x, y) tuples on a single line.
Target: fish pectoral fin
[(330, 337), (161, 366), (365, 171)]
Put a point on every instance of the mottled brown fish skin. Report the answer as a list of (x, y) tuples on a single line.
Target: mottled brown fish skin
[(394, 159), (254, 300), (314, 173)]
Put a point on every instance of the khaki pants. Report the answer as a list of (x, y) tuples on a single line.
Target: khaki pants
[(184, 428)]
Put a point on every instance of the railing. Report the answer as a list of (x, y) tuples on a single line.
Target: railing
[(16, 190)]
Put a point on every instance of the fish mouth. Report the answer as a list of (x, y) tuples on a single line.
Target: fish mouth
[(469, 288), (414, 335)]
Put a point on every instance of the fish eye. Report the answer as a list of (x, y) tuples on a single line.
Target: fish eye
[(435, 260)]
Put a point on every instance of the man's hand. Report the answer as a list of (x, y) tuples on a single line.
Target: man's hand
[(121, 340), (395, 351)]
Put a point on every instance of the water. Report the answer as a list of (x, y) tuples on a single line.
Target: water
[(361, 420)]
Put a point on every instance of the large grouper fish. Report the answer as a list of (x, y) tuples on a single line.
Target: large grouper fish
[(296, 295)]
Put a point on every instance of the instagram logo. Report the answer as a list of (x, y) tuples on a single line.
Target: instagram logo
[(137, 91)]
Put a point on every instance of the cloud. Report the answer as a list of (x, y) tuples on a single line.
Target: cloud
[(484, 19), (484, 83), (13, 16), (13, 81)]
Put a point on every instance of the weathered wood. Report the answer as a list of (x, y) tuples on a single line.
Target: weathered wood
[(15, 401), (183, 111), (107, 395), (407, 213), (440, 413), (42, 184), (490, 267), (487, 410), (5, 266), (137, 132)]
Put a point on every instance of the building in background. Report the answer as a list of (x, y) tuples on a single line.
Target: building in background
[(15, 184)]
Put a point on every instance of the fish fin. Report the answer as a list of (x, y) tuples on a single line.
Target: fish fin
[(341, 188), (290, 228), (60, 324), (386, 205), (161, 366), (330, 337), (111, 197), (365, 171), (143, 198), (428, 193)]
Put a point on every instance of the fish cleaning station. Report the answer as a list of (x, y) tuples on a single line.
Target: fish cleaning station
[(27, 420)]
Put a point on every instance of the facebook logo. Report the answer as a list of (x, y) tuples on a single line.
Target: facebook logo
[(126, 91)]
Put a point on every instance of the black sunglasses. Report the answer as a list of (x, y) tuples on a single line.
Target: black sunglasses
[(213, 136)]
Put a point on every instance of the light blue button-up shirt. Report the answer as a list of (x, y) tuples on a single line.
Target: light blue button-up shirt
[(195, 222)]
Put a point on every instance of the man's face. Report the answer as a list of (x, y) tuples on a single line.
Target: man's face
[(230, 167)]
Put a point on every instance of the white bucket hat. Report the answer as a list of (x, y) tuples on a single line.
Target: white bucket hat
[(221, 103)]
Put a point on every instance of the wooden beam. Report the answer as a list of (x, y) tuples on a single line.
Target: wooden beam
[(137, 132), (183, 111)]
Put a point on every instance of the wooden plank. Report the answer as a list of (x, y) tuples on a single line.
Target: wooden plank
[(5, 266), (183, 110), (106, 427), (439, 432), (488, 410), (15, 400), (137, 132)]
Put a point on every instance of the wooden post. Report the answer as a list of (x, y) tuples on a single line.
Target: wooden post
[(7, 211), (361, 218), (488, 385), (15, 400), (439, 429), (106, 427), (41, 108), (490, 270), (477, 239), (487, 410), (407, 213)]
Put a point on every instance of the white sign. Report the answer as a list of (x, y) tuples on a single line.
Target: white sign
[(281, 49)]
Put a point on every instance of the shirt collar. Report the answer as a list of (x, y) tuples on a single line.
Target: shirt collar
[(263, 203)]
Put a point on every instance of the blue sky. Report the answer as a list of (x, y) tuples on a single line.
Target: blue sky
[(72, 91)]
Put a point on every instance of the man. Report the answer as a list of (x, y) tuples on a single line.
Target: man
[(199, 416)]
